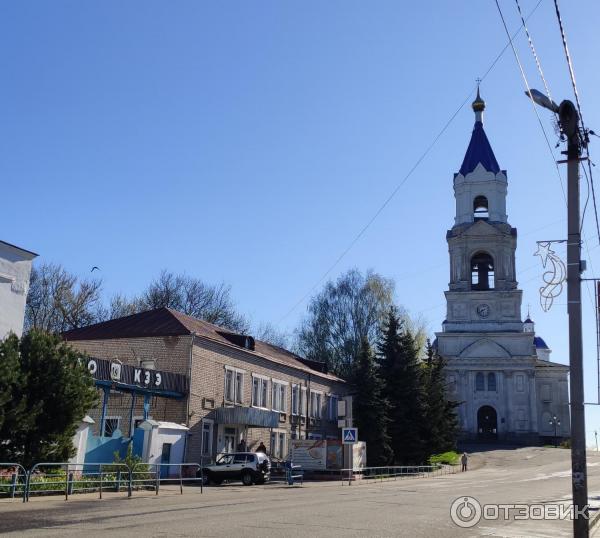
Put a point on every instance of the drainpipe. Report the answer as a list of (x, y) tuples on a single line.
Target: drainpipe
[(308, 406), (189, 397), (189, 374)]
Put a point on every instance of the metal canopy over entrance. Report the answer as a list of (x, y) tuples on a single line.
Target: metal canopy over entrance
[(246, 416)]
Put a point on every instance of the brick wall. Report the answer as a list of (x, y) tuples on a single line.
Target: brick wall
[(207, 386)]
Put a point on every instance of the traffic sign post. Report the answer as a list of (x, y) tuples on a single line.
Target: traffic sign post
[(349, 436)]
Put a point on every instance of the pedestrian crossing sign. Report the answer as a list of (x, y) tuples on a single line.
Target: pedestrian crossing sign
[(349, 435)]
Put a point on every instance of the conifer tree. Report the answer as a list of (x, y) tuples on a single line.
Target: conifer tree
[(52, 392), (440, 414), (371, 408), (398, 356)]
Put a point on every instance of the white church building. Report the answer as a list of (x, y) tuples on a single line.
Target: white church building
[(498, 370)]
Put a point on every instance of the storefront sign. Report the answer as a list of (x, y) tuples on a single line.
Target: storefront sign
[(113, 370)]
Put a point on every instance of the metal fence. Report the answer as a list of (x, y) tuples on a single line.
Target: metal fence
[(379, 474), (67, 479), (14, 480)]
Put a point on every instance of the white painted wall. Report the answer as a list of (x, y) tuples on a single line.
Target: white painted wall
[(15, 270)]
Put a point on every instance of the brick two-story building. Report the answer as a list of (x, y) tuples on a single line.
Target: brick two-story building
[(239, 387)]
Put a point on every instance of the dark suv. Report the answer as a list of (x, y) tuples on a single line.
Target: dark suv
[(249, 467)]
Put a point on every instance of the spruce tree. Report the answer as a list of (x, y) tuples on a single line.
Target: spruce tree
[(398, 356), (370, 408), (440, 412), (52, 392)]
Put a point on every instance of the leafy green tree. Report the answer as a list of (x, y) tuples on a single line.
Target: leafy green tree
[(440, 412), (370, 408), (399, 359), (53, 391)]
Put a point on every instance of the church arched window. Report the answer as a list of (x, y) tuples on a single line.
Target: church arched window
[(482, 271), (479, 382), (480, 208), (492, 381)]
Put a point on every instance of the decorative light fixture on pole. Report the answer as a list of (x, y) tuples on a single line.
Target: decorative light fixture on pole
[(569, 124), (554, 422)]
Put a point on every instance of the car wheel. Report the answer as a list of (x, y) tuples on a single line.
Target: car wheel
[(247, 478)]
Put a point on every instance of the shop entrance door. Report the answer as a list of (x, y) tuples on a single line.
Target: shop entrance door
[(230, 440)]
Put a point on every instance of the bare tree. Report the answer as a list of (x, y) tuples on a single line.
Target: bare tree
[(267, 332), (58, 301), (192, 296), (343, 314)]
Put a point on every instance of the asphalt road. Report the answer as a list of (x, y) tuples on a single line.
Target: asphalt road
[(409, 507)]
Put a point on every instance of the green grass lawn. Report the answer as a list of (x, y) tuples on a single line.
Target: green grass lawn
[(448, 458)]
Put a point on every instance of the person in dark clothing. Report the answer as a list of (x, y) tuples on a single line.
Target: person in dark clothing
[(464, 460), (262, 448), (241, 446)]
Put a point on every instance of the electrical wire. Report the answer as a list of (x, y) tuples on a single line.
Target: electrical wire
[(578, 103), (537, 60), (569, 62), (532, 103), (407, 176)]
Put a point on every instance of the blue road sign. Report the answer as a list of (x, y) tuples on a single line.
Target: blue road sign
[(349, 435)]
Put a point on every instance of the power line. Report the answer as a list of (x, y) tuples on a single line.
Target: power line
[(415, 166), (569, 62), (540, 123), (585, 140), (532, 103), (537, 60)]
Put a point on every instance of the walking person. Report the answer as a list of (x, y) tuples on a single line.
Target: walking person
[(262, 448), (464, 460)]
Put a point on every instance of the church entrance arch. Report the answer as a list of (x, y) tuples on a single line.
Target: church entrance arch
[(487, 423)]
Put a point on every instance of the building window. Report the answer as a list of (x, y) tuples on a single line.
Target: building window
[(295, 399), (479, 382), (546, 393), (278, 445), (207, 431), (520, 383), (315, 404), (278, 396), (332, 405), (491, 381), (480, 208), (111, 424), (234, 385), (482, 272), (259, 391)]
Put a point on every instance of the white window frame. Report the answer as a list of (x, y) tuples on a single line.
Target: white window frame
[(238, 390), (319, 414), (303, 401), (282, 397), (211, 423), (111, 417), (264, 391), (332, 409), (279, 450), (295, 410)]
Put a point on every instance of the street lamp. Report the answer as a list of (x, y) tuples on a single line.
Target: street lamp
[(568, 119), (556, 423)]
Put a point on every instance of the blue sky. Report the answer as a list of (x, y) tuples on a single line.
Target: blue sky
[(249, 142)]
